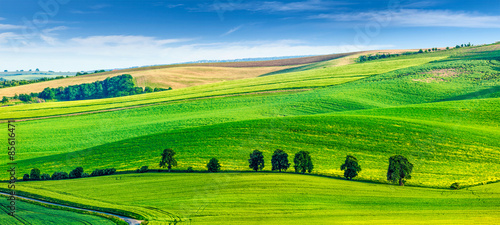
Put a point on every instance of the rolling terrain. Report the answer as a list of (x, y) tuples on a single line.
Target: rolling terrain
[(181, 75), (28, 213), (439, 109), (262, 198)]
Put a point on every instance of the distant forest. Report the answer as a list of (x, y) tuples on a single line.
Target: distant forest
[(109, 88)]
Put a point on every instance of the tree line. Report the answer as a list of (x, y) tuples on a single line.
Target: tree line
[(78, 172), (364, 58), (13, 83), (109, 88), (399, 170)]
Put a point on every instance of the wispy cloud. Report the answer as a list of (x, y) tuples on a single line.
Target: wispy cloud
[(99, 6), (232, 30), (8, 36), (91, 9), (53, 29), (171, 6), (419, 18), (1, 18), (94, 52), (272, 6), (10, 27), (123, 40)]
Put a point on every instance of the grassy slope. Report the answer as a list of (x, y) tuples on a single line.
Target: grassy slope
[(256, 198), (37, 215), (430, 143), (84, 132), (298, 80)]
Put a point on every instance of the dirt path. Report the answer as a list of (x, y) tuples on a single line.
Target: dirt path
[(130, 221), (153, 104)]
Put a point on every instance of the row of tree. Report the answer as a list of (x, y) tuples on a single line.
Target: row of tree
[(35, 174), (85, 73), (110, 87), (398, 171), (13, 83), (365, 58)]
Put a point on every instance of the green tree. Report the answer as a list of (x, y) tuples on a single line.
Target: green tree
[(59, 175), (351, 167), (256, 160), (47, 94), (25, 97), (35, 174), (76, 173), (143, 169), (303, 162), (148, 90), (26, 177), (5, 100), (279, 160), (399, 169), (420, 51), (213, 165), (45, 176), (167, 159)]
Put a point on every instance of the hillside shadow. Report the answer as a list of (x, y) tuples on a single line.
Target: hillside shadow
[(289, 70), (475, 95)]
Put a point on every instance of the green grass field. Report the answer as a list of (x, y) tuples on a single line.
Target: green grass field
[(271, 198), (430, 144), (441, 110), (390, 110), (298, 80), (38, 215)]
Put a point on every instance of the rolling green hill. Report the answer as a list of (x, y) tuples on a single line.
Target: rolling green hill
[(438, 109), (103, 139), (261, 198), (430, 143), (38, 215)]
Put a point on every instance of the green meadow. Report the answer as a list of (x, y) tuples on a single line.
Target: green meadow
[(440, 110), (27, 213), (271, 198)]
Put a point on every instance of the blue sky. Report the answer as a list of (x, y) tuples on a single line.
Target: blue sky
[(74, 35)]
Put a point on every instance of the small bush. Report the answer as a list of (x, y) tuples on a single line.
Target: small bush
[(45, 176), (213, 165), (143, 169), (455, 186), (98, 172), (190, 170), (60, 175), (35, 174), (26, 177), (85, 175), (76, 173)]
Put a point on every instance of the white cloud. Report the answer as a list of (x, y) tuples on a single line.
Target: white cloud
[(271, 6), (8, 36), (108, 52), (419, 18), (1, 18), (122, 40), (232, 30), (99, 6), (10, 27), (58, 28)]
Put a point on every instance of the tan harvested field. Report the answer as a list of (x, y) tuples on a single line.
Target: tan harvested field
[(175, 77), (187, 75)]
